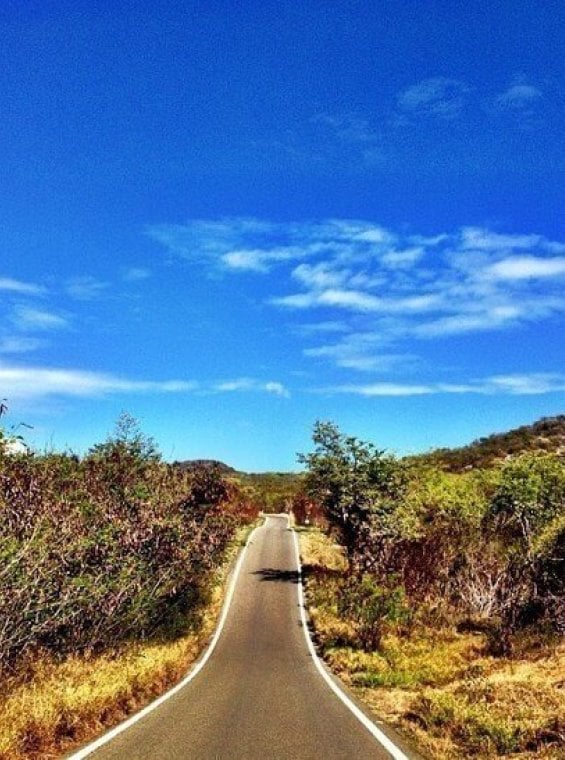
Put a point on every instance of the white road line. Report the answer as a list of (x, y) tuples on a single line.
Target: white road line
[(121, 727), (381, 737)]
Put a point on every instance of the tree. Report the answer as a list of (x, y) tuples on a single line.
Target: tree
[(358, 487), (128, 440), (128, 456)]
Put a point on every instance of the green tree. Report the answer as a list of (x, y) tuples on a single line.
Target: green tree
[(128, 440), (358, 487)]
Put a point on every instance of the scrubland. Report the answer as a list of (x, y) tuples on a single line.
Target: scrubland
[(112, 570), (438, 596)]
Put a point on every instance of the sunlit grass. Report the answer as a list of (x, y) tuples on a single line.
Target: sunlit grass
[(318, 550)]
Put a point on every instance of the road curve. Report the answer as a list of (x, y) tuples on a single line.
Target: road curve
[(259, 697)]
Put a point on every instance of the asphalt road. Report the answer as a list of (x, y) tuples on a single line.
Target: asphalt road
[(259, 697)]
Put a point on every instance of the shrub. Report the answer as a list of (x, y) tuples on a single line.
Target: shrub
[(106, 549), (375, 609)]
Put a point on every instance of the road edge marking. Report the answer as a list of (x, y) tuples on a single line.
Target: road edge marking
[(379, 735), (121, 727)]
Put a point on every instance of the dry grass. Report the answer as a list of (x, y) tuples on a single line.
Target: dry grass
[(61, 704), (318, 550), (439, 686)]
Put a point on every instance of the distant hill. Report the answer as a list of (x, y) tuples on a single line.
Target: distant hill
[(197, 464), (271, 490), (547, 434)]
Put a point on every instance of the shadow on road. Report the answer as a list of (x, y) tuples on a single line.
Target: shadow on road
[(272, 574)]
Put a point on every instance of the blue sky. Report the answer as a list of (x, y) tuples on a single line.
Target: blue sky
[(234, 219)]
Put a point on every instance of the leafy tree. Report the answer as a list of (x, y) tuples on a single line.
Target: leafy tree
[(530, 496), (527, 514), (128, 455), (128, 440), (357, 486)]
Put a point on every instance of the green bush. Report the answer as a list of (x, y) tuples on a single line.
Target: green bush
[(375, 609)]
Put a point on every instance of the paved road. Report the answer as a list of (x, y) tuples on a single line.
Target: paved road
[(259, 697)]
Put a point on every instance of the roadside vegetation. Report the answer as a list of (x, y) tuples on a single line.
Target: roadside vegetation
[(439, 596), (111, 570)]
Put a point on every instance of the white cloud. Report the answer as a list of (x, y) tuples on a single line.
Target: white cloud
[(374, 234), (252, 385), (277, 389), (21, 288), (30, 318), (348, 128), (319, 276), (403, 258), (41, 382), (380, 389), (530, 384), (401, 286), (515, 385), (241, 244), (522, 102), (25, 383), (436, 96), (519, 96), (358, 301), (250, 260), (464, 323), (480, 239), (527, 267), (360, 352)]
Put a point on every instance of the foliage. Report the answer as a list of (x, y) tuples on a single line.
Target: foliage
[(372, 607), (307, 511), (439, 684), (546, 435), (273, 490), (483, 547), (113, 547), (357, 487)]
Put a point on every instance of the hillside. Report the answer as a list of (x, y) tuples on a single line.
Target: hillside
[(212, 464), (271, 491), (547, 434)]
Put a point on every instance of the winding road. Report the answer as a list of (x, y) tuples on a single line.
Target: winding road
[(261, 695)]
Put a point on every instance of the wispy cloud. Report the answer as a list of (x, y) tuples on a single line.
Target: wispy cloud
[(244, 244), (39, 382), (527, 267), (357, 301), (350, 128), (24, 383), (21, 288), (26, 317), (520, 96), (362, 352), (19, 344), (443, 97), (320, 328), (134, 274), (522, 102), (515, 385), (85, 288), (248, 384), (391, 287)]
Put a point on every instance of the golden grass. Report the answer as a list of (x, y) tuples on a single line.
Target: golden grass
[(318, 550), (63, 704), (439, 686)]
